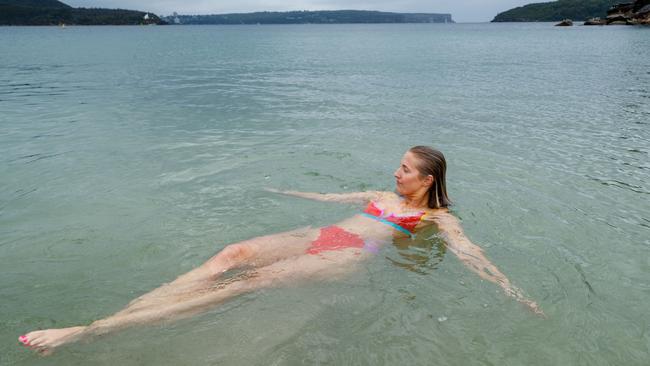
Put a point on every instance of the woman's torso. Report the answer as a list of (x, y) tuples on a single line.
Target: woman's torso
[(382, 216)]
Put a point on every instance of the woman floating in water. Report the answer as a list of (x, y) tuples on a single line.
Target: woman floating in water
[(330, 252)]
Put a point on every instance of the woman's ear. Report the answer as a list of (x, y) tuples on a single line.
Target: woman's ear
[(428, 180)]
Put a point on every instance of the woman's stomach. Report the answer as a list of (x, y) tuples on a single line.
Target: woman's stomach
[(369, 229)]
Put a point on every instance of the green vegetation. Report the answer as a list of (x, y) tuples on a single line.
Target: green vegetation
[(557, 10), (52, 12), (51, 4), (313, 17)]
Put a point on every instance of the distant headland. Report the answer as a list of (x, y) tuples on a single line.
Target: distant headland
[(53, 12), (595, 11), (311, 17)]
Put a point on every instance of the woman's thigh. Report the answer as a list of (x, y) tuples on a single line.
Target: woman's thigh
[(325, 266), (275, 247)]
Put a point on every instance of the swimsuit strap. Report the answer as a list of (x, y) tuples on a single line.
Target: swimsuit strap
[(392, 224)]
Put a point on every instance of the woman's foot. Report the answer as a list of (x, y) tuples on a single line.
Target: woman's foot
[(45, 341)]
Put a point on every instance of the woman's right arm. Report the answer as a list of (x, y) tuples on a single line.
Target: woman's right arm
[(473, 257), (354, 197)]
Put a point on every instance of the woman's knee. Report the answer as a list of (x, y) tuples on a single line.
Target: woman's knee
[(233, 255)]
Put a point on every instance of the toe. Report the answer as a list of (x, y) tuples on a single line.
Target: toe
[(34, 337), (35, 348)]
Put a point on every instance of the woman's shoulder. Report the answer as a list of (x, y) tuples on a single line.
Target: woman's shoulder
[(437, 214), (382, 197), (443, 219)]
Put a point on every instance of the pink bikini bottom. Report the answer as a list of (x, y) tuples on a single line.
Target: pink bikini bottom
[(334, 238)]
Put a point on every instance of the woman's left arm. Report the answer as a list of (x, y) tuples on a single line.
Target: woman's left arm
[(473, 257), (353, 197)]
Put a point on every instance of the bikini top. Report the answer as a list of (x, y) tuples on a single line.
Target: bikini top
[(403, 223)]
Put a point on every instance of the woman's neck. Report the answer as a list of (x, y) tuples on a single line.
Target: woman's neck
[(416, 201)]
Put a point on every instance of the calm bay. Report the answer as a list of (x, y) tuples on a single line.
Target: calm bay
[(130, 155)]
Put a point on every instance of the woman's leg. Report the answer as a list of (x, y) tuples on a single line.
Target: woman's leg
[(255, 252), (326, 265)]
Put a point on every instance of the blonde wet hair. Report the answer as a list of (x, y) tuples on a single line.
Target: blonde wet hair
[(432, 162)]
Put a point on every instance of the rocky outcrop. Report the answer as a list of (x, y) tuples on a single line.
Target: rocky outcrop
[(634, 13), (565, 23), (643, 15)]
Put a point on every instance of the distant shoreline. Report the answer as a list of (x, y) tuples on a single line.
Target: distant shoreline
[(310, 17), (496, 24), (54, 12)]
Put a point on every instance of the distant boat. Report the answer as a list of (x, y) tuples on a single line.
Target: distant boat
[(565, 23), (147, 20)]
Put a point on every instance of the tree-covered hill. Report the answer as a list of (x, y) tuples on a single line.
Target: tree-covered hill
[(557, 10), (52, 12), (313, 17), (50, 4)]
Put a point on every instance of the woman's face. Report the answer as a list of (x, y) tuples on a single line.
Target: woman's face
[(408, 180)]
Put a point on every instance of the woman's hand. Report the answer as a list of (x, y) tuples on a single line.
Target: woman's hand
[(532, 305), (517, 295)]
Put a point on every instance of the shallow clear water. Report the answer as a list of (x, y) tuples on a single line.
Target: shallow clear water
[(129, 155)]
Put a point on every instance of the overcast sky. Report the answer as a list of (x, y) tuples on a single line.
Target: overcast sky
[(461, 10)]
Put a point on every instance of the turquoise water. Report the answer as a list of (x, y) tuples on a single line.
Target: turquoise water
[(129, 155)]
